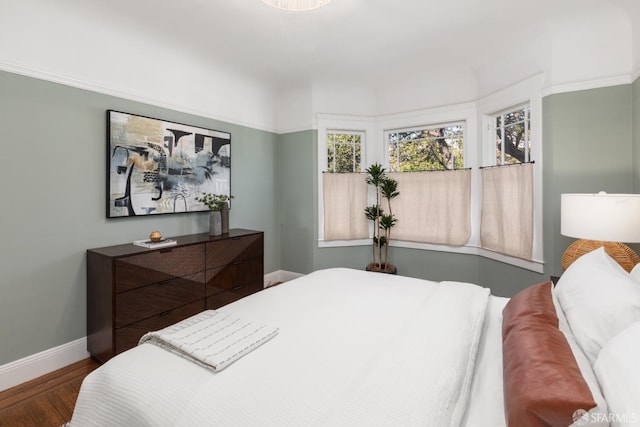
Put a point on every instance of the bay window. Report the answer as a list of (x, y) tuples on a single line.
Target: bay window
[(450, 199)]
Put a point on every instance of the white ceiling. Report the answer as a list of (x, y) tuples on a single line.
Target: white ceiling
[(369, 41), (244, 62)]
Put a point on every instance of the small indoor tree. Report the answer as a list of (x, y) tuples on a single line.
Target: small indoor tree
[(385, 188)]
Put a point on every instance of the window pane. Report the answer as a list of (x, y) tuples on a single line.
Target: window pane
[(424, 149), (343, 152), (512, 142)]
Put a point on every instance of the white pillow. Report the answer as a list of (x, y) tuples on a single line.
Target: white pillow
[(599, 300), (635, 273), (618, 371), (596, 416)]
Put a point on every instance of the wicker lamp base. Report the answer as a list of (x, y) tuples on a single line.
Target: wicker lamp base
[(623, 254)]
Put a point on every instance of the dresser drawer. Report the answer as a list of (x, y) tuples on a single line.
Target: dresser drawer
[(236, 273), (128, 336), (152, 300), (234, 249), (226, 297), (132, 290), (150, 267)]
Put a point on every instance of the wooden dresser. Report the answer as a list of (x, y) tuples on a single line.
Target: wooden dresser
[(132, 290)]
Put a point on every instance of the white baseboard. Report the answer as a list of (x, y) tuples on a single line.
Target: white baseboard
[(279, 276), (30, 367)]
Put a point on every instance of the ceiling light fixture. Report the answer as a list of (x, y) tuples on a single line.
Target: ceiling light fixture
[(296, 5)]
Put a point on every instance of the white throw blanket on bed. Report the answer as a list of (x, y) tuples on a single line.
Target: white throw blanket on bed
[(211, 339)]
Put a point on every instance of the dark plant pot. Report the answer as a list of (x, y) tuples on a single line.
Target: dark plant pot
[(224, 216), (386, 268)]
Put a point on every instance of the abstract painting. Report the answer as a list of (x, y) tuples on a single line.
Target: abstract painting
[(160, 167)]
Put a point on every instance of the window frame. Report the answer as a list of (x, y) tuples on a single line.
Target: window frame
[(479, 150), (494, 116), (526, 92), (334, 123), (359, 133)]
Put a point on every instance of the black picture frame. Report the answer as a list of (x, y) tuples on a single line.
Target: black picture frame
[(159, 167)]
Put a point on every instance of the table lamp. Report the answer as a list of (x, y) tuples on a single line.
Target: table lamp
[(601, 220)]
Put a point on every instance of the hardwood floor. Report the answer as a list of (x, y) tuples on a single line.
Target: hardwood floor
[(47, 401)]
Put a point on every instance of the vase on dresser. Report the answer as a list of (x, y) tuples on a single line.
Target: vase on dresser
[(215, 223), (224, 215)]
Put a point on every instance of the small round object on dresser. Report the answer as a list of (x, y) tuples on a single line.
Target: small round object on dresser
[(155, 236)]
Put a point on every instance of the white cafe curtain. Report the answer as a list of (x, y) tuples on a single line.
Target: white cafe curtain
[(433, 207), (507, 210), (344, 199)]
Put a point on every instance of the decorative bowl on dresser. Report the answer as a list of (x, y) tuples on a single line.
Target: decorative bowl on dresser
[(132, 290)]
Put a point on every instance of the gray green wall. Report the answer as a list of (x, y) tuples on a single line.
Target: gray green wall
[(297, 196), (52, 175), (636, 135), (52, 172), (588, 146)]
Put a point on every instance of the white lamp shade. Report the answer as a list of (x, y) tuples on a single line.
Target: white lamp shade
[(601, 216)]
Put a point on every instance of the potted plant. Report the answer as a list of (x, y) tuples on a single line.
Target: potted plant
[(385, 188), (218, 204)]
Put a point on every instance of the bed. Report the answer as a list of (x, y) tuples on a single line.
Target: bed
[(354, 348)]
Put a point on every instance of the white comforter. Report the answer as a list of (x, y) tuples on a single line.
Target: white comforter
[(354, 349)]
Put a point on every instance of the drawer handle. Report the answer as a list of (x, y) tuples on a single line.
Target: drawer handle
[(165, 250), (237, 262), (237, 288), (164, 282), (164, 313), (236, 238)]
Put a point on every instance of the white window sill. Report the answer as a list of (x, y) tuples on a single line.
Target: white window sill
[(536, 266)]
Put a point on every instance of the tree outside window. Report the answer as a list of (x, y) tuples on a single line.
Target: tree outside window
[(344, 152), (426, 148), (513, 136)]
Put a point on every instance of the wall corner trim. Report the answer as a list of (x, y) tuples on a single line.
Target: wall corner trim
[(30, 367), (586, 85)]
